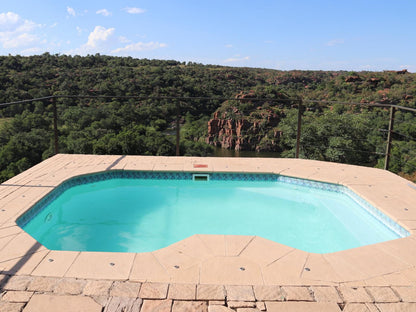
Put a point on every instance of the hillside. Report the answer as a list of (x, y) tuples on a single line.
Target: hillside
[(333, 132)]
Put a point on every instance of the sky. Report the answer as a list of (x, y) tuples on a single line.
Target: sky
[(352, 35)]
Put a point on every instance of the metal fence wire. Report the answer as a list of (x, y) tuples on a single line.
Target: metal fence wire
[(182, 109)]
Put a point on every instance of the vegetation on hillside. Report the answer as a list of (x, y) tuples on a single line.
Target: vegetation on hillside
[(333, 132)]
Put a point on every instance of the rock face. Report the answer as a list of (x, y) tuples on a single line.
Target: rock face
[(255, 130), (229, 133), (402, 72), (353, 79)]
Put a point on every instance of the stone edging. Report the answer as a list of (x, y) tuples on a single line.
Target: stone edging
[(17, 291)]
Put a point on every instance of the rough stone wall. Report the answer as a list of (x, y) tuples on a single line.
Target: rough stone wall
[(243, 133)]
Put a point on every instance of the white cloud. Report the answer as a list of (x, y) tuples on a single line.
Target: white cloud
[(139, 46), (99, 41), (104, 40), (123, 39), (99, 36), (134, 10), (237, 59), (103, 12), (228, 45), (32, 51), (366, 67), (21, 40), (12, 22), (17, 32), (8, 19), (334, 42), (70, 11)]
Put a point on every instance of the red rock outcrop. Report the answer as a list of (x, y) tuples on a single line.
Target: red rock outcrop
[(244, 133), (353, 79), (246, 96), (374, 81), (250, 121)]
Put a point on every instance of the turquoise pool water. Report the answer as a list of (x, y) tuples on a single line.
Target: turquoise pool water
[(144, 214)]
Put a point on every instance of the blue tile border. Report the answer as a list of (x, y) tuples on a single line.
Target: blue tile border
[(127, 174), (263, 177), (213, 176), (376, 213), (310, 183)]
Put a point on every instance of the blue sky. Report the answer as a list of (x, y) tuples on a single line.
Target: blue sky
[(297, 34)]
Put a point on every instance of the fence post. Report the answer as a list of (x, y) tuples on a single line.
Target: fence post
[(300, 108), (389, 134), (178, 116), (55, 126)]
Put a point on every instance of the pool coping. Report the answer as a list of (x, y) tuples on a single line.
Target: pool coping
[(214, 259)]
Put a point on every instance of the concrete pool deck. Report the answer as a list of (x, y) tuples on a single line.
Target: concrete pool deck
[(210, 271)]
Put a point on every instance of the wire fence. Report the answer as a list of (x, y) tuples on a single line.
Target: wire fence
[(181, 105)]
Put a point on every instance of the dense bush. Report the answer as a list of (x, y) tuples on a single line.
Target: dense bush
[(341, 133)]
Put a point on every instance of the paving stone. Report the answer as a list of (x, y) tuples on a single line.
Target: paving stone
[(101, 300), (182, 291), (11, 306), (354, 294), (240, 293), (273, 306), (106, 265), (120, 304), (407, 294), (356, 307), (261, 305), (97, 288), (248, 310), (269, 293), (210, 292), (383, 294), (42, 284), (326, 294), (189, 306), (16, 282), (54, 303), (125, 289), (396, 307), (218, 308), (154, 291), (9, 230), (69, 286), (216, 302), (297, 293), (17, 296), (156, 305), (372, 307), (241, 304)]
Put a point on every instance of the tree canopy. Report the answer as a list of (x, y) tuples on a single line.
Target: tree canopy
[(331, 132)]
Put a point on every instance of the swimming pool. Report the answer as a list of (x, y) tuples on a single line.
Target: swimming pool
[(133, 211)]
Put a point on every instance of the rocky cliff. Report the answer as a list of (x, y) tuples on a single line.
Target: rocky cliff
[(247, 124)]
